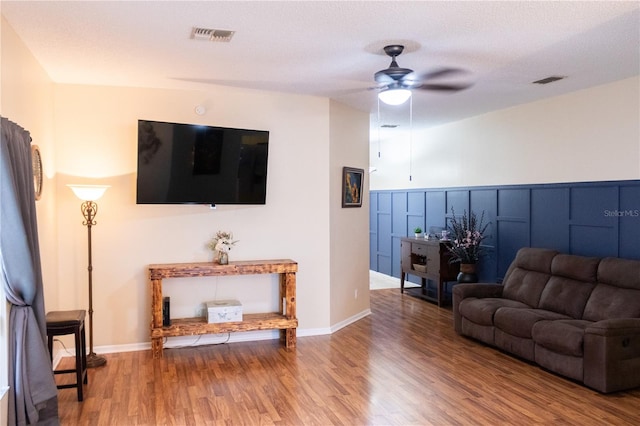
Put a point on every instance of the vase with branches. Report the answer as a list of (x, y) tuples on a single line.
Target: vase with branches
[(467, 234)]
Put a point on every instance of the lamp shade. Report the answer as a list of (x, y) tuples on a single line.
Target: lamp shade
[(394, 96), (89, 192)]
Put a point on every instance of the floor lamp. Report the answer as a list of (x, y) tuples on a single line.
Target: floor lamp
[(89, 194)]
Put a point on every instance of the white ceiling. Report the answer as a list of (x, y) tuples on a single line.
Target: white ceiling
[(332, 49)]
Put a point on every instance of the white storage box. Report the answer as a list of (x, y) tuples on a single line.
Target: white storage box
[(224, 311)]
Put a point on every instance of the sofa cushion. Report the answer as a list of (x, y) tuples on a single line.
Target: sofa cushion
[(623, 273), (617, 294), (578, 268), (519, 322), (571, 285), (533, 259), (481, 311), (561, 336), (566, 296), (525, 286), (607, 302), (527, 275)]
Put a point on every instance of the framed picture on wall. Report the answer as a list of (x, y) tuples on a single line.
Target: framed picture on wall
[(352, 180)]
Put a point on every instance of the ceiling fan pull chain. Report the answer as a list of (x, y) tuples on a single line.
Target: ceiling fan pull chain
[(411, 138), (379, 125)]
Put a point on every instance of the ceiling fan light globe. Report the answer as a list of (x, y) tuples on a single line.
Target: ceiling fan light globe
[(394, 96)]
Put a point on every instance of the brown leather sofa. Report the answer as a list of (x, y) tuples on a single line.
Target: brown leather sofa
[(575, 316)]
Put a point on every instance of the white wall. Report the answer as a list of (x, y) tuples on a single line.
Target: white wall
[(100, 140), (588, 135), (349, 247)]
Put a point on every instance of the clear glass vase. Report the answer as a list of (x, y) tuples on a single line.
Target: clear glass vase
[(223, 258)]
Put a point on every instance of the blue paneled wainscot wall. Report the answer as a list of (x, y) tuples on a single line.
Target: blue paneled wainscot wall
[(591, 219)]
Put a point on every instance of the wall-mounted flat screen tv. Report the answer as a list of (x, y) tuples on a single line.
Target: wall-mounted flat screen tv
[(195, 164)]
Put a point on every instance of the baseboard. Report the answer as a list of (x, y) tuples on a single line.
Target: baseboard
[(61, 353), (212, 339), (350, 320)]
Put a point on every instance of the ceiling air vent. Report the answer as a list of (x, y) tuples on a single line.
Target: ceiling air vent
[(209, 34), (548, 80)]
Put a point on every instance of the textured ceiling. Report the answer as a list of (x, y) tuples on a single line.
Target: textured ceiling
[(333, 49)]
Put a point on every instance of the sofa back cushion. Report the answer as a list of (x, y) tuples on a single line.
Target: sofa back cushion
[(617, 294), (528, 274), (571, 285), (624, 273)]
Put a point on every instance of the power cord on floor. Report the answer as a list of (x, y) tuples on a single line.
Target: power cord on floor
[(195, 343), (64, 347)]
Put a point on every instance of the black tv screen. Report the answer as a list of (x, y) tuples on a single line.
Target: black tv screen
[(189, 163)]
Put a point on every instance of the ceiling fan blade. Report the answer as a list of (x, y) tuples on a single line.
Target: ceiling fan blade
[(381, 87), (442, 72), (443, 87), (415, 80), (411, 80), (383, 78)]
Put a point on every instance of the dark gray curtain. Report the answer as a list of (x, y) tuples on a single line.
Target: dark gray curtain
[(33, 392)]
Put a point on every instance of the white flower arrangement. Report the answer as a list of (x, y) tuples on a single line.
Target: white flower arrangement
[(222, 242)]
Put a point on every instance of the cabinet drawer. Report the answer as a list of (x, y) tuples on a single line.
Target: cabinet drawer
[(419, 249)]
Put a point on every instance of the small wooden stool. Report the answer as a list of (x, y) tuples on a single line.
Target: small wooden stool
[(61, 323)]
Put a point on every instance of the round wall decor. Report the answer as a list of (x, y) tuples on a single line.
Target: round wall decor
[(36, 161)]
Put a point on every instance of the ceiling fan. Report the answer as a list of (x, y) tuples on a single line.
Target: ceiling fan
[(396, 83)]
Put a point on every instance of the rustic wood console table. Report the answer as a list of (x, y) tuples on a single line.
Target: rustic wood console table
[(285, 320)]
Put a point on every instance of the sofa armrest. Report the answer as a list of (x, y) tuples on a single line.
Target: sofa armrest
[(612, 354), (463, 291), (615, 327)]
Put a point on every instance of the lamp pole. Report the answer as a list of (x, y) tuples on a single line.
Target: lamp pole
[(89, 210), (89, 194)]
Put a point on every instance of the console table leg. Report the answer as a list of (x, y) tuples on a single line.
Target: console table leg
[(401, 282), (288, 292), (288, 336), (156, 347), (156, 317), (288, 303)]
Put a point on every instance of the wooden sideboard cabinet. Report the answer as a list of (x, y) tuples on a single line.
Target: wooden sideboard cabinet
[(285, 320), (429, 260)]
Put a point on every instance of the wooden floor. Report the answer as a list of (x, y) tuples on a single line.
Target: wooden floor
[(402, 365)]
